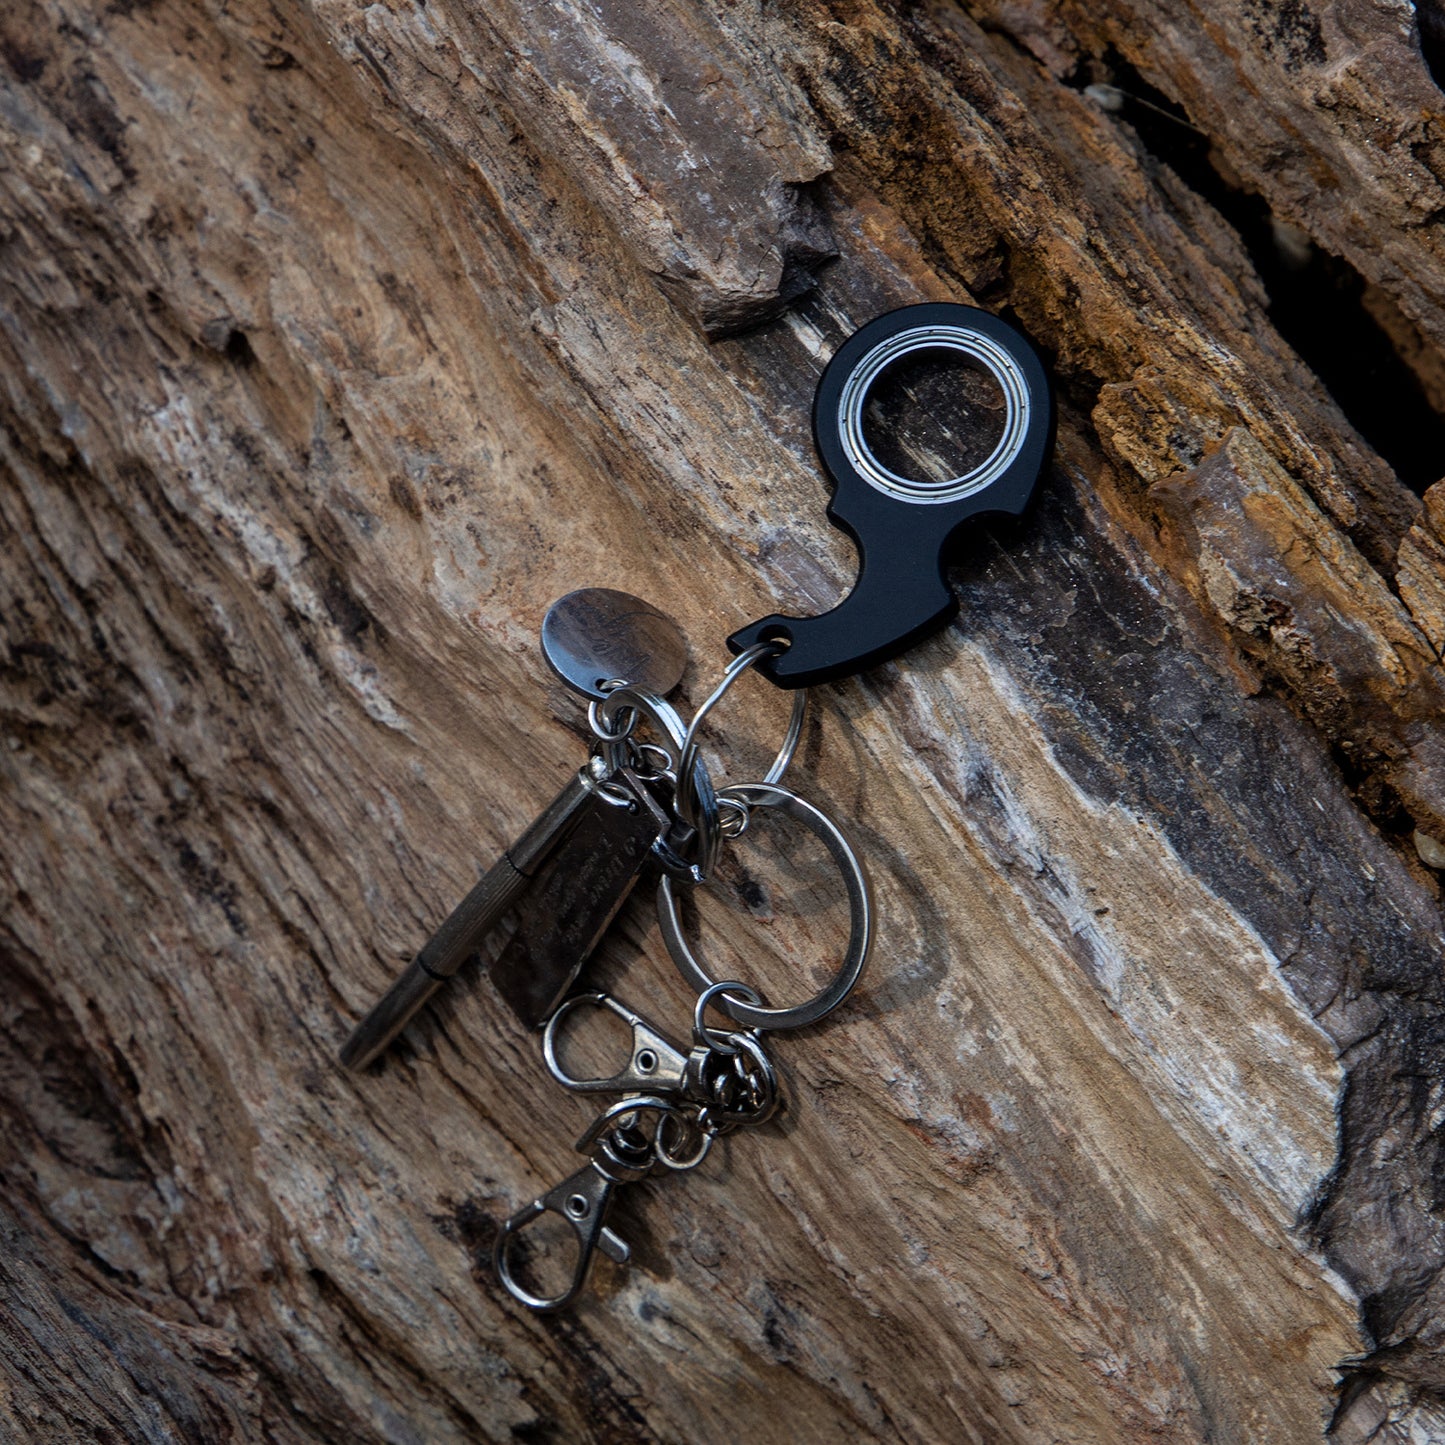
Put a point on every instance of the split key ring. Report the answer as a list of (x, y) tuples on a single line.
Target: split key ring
[(860, 911)]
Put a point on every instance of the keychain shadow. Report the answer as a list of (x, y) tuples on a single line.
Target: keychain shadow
[(828, 737), (983, 548)]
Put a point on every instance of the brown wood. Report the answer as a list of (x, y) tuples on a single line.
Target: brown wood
[(335, 345)]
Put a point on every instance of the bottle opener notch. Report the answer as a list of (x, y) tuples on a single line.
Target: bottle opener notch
[(903, 527)]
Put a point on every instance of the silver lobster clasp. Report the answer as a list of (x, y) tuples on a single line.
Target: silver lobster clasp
[(583, 1201), (656, 1064), (622, 1152)]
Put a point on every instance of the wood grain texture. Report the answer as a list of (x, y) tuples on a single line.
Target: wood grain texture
[(336, 343)]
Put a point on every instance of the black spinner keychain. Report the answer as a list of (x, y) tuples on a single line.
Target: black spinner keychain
[(645, 798), (903, 529)]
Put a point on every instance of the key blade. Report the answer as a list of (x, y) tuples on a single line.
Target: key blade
[(575, 897), (467, 926)]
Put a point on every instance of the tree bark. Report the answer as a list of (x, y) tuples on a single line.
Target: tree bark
[(336, 343)]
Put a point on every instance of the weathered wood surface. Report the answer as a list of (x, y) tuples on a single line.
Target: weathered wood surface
[(338, 343)]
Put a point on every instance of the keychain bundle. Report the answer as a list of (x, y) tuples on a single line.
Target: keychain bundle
[(644, 798), (673, 1104)]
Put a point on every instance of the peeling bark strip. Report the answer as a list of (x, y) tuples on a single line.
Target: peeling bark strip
[(335, 344), (700, 164)]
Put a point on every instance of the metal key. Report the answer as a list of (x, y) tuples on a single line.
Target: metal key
[(588, 638), (563, 917), (471, 921)]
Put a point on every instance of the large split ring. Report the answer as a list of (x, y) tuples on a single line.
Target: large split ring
[(860, 910)]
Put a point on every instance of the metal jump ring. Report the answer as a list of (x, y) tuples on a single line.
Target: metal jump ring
[(665, 1153), (653, 763), (673, 737), (735, 669), (611, 736), (613, 794), (750, 1048), (701, 1034), (604, 732), (732, 817), (860, 909)]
